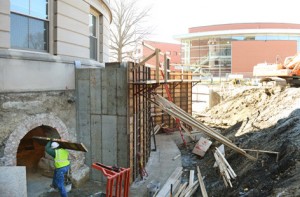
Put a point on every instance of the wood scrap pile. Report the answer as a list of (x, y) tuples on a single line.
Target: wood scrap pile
[(226, 171), (183, 116), (187, 189), (172, 182)]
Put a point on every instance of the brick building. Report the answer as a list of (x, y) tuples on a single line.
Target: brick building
[(236, 48)]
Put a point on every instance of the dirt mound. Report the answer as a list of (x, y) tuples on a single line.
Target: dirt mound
[(261, 119)]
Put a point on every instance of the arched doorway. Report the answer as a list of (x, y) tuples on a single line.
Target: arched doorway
[(21, 150), (44, 121), (29, 151)]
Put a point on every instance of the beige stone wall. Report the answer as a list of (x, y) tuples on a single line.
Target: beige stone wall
[(71, 22), (69, 27), (105, 39), (4, 24), (105, 18)]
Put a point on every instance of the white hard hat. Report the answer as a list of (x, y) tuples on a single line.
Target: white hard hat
[(54, 145)]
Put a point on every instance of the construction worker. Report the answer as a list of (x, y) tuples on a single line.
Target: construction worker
[(61, 164)]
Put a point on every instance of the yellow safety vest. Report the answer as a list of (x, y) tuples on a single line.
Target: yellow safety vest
[(61, 158)]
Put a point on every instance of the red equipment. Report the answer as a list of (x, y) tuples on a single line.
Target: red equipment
[(115, 176)]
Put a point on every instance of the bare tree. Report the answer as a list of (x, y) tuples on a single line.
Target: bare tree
[(127, 28)]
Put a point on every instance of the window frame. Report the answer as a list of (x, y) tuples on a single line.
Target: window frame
[(96, 37), (45, 20)]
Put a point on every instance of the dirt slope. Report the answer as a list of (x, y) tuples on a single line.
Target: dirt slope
[(263, 119)]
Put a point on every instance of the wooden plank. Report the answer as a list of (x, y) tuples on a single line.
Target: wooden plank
[(192, 191), (157, 65), (223, 170), (188, 189), (176, 112), (264, 151), (144, 61), (201, 182), (63, 143), (165, 190), (187, 131), (165, 68), (226, 162), (181, 188), (191, 179)]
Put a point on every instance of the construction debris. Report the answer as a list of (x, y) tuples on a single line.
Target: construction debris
[(202, 146), (202, 186), (173, 180), (264, 151), (174, 158), (183, 116), (256, 118), (225, 169)]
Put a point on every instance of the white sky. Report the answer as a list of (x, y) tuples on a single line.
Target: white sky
[(174, 17)]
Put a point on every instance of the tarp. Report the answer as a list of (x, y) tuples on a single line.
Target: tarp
[(63, 143)]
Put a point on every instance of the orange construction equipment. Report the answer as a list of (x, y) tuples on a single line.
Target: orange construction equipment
[(116, 177), (286, 72)]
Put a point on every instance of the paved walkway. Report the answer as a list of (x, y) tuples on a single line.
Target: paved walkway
[(160, 165)]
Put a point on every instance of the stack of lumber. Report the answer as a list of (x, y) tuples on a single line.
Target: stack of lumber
[(172, 182), (183, 116), (226, 171), (173, 187), (188, 188)]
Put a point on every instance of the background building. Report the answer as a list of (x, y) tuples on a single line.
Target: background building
[(236, 48)]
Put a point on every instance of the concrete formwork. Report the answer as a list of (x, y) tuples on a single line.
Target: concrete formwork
[(102, 114)]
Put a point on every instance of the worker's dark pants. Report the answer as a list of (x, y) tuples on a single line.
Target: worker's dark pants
[(59, 179)]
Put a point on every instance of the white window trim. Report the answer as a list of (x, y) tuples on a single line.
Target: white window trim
[(96, 14)]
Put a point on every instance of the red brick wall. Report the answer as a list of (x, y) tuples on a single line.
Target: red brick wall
[(173, 48), (246, 54)]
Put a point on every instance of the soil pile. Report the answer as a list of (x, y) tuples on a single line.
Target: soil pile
[(261, 119)]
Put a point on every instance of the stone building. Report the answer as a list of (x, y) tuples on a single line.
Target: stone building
[(41, 45)]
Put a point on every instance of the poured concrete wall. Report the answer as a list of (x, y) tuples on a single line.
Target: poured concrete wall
[(102, 114)]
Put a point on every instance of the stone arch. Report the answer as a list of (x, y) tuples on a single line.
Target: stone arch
[(31, 122)]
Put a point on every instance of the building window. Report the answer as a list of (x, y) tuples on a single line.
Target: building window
[(29, 24), (93, 37)]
